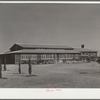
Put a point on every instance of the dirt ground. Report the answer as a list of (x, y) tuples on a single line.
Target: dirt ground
[(81, 75)]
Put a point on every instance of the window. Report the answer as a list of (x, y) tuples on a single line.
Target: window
[(86, 53), (83, 53), (43, 56), (66, 55), (22, 56), (71, 55), (33, 56), (26, 56), (48, 55), (61, 55), (51, 56), (91, 54), (94, 54)]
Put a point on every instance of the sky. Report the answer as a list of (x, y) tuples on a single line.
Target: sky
[(58, 24)]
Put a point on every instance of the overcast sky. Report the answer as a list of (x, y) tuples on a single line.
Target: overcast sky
[(61, 24)]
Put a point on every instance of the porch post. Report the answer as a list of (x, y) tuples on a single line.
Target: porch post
[(5, 63), (0, 68)]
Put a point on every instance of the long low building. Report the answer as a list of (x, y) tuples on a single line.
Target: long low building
[(45, 54)]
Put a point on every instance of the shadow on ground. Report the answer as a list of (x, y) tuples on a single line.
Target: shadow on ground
[(3, 78), (17, 73), (30, 75)]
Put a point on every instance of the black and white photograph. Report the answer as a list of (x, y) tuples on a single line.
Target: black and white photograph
[(49, 45)]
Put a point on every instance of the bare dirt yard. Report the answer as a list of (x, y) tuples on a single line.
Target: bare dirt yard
[(80, 75)]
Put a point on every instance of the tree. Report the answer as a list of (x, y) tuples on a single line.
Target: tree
[(30, 66), (0, 69)]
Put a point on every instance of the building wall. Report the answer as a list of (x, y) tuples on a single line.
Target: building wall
[(89, 54), (42, 57), (57, 57), (8, 58), (17, 58)]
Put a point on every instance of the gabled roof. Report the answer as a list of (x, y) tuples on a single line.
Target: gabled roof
[(84, 50), (41, 51), (30, 46)]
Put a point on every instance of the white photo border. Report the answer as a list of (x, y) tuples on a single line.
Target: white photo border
[(41, 93)]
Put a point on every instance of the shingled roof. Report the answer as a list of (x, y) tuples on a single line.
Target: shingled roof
[(42, 46), (41, 51), (31, 46), (84, 50)]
